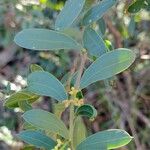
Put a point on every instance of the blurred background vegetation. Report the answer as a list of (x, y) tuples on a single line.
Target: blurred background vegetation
[(123, 103)]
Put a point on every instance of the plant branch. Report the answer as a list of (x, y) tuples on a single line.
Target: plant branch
[(114, 32), (77, 85), (83, 60), (72, 71), (71, 124)]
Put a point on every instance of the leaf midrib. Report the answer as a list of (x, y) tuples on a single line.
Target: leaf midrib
[(48, 41)]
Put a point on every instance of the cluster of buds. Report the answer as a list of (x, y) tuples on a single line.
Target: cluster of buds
[(73, 92), (59, 144), (75, 101)]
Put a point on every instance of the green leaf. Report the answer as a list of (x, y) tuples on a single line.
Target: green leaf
[(28, 147), (65, 78), (8, 88), (109, 45), (108, 65), (112, 139), (37, 139), (136, 6), (46, 121), (102, 26), (59, 108), (97, 11), (79, 95), (131, 26), (35, 67), (146, 5), (79, 131), (45, 84), (44, 39), (75, 33), (88, 4), (24, 105), (86, 110), (90, 147), (28, 126), (93, 43), (20, 96), (69, 13)]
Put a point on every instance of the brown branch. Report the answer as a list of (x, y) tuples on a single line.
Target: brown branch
[(116, 34), (7, 54), (134, 133), (142, 117), (126, 104), (83, 60), (72, 71), (126, 112)]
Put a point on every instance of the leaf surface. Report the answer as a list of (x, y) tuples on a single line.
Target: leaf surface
[(109, 139), (44, 39), (20, 96), (35, 67), (79, 131), (69, 13), (45, 84), (102, 26), (136, 6), (94, 43), (24, 105), (59, 108), (37, 139), (108, 65), (86, 110), (97, 11), (46, 121)]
